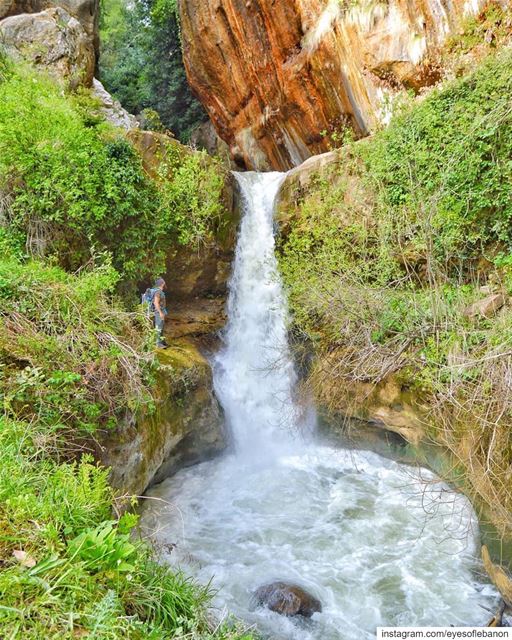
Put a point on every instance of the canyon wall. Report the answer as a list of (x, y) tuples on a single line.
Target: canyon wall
[(278, 77)]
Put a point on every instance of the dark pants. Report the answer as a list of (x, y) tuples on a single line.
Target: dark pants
[(159, 327)]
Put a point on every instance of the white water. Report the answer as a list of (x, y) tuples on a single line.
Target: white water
[(376, 542)]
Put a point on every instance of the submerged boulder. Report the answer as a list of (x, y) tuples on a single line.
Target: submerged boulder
[(287, 599)]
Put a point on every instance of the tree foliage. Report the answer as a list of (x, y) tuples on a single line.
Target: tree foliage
[(141, 62)]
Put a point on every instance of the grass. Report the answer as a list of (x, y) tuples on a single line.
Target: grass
[(74, 363)]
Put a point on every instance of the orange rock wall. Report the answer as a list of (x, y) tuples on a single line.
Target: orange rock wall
[(276, 75)]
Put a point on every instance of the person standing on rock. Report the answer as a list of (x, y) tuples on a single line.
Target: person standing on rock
[(159, 305)]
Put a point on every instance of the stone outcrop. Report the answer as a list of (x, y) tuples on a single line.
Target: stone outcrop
[(185, 426), (111, 109), (287, 599), (388, 405), (53, 40), (487, 307), (85, 11), (278, 76)]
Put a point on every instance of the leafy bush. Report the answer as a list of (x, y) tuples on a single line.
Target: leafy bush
[(67, 570), (74, 187)]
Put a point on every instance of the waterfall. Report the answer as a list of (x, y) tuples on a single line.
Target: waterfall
[(254, 376), (378, 543)]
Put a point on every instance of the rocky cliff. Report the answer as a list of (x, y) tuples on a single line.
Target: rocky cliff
[(278, 76)]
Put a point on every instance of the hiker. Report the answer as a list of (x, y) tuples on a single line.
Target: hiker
[(155, 300)]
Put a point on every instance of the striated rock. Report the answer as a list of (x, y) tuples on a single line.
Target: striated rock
[(85, 11), (487, 307), (111, 109), (196, 318), (287, 599), (186, 426), (278, 76), (386, 404), (52, 40)]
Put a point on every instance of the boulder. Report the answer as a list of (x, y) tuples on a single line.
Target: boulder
[(487, 307), (85, 11), (111, 109), (287, 599), (53, 40)]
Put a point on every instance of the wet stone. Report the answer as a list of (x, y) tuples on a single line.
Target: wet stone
[(287, 599)]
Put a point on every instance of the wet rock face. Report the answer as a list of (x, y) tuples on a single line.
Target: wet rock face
[(276, 75), (287, 599), (51, 39), (186, 425)]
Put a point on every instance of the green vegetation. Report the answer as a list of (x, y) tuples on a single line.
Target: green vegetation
[(389, 247), (141, 64), (68, 569), (74, 187), (79, 218), (69, 357), (72, 362)]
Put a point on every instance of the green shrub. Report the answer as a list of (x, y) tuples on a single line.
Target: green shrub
[(75, 187), (417, 205)]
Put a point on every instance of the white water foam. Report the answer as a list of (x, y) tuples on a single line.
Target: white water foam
[(377, 542)]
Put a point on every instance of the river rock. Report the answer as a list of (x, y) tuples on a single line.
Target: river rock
[(287, 599)]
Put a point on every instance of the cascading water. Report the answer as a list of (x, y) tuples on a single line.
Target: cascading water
[(253, 374), (377, 542)]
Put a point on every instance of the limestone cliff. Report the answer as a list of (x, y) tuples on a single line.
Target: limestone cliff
[(276, 76)]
